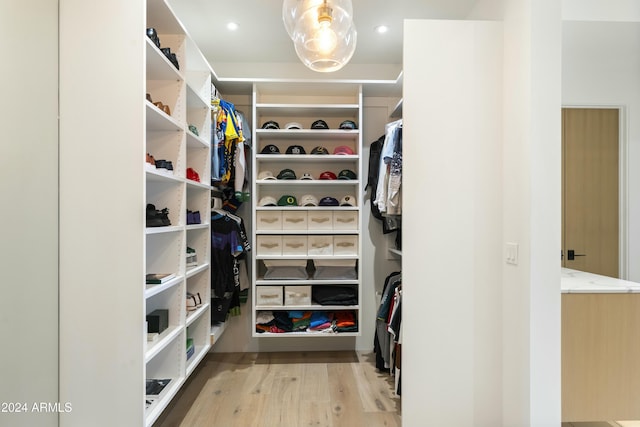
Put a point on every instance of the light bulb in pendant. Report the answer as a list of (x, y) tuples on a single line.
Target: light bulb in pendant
[(326, 39)]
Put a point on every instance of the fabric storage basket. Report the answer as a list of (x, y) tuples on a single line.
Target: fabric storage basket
[(294, 220), (297, 295), (268, 220), (320, 220), (269, 245), (294, 245), (268, 295), (345, 245), (345, 220), (335, 269), (320, 245), (286, 269)]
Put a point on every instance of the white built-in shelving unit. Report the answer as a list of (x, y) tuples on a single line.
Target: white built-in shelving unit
[(305, 238), (107, 127)]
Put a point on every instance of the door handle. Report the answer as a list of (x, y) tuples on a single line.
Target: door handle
[(571, 255)]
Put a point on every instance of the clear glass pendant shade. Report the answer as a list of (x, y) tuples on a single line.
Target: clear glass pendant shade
[(293, 10), (326, 50)]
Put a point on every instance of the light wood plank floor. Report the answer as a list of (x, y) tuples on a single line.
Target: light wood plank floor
[(288, 389)]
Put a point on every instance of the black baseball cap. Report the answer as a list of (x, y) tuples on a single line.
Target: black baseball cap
[(270, 124), (287, 174), (347, 174), (270, 149), (319, 150), (296, 149), (348, 124), (329, 201), (319, 124)]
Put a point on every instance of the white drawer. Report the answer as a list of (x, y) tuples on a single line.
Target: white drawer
[(345, 220), (345, 245), (268, 295), (320, 245), (320, 220), (297, 295), (294, 220), (269, 245), (269, 220), (294, 245)]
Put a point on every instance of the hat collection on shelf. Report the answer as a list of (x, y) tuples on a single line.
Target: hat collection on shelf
[(318, 124), (307, 200), (290, 174), (342, 150)]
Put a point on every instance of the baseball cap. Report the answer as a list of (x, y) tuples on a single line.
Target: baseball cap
[(307, 175), (308, 200), (270, 149), (270, 124), (287, 174), (287, 200), (319, 150), (267, 201), (319, 124), (348, 124), (266, 175), (296, 149), (329, 201), (343, 149), (347, 174), (348, 201), (293, 125), (328, 175)]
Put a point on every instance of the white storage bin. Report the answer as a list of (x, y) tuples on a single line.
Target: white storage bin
[(286, 269), (320, 220), (335, 269), (345, 245), (294, 220), (345, 220), (269, 245), (294, 245), (268, 295), (267, 220), (320, 245), (297, 295)]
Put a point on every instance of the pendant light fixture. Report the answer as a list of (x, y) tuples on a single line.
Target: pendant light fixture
[(322, 31)]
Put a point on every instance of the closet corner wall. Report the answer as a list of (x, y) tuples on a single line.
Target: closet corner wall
[(108, 131)]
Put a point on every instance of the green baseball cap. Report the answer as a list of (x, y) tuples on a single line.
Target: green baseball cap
[(288, 200)]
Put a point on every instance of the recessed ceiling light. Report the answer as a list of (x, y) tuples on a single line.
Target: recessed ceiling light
[(232, 26), (381, 29)]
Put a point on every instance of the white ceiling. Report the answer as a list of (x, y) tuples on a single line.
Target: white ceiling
[(261, 49)]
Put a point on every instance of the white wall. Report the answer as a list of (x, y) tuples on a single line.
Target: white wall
[(600, 67), (452, 219), (29, 213)]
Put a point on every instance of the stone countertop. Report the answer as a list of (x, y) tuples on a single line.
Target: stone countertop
[(574, 282)]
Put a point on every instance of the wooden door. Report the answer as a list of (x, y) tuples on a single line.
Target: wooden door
[(590, 190)]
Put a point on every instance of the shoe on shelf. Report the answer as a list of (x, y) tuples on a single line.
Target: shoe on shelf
[(196, 217), (150, 162), (193, 175), (194, 130), (192, 258), (164, 166), (153, 35), (154, 218), (164, 216), (190, 218), (193, 301), (163, 107)]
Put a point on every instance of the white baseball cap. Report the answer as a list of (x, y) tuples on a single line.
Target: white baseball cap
[(308, 200), (268, 201), (348, 201), (293, 125), (266, 175), (307, 175)]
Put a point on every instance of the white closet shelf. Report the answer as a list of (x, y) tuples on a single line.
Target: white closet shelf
[(165, 338), (308, 334), (311, 158), (308, 182), (217, 331), (199, 353), (151, 290), (161, 230), (307, 134), (298, 257), (153, 411), (158, 120), (311, 307), (290, 282), (195, 141), (195, 270), (194, 315), (157, 175), (306, 231)]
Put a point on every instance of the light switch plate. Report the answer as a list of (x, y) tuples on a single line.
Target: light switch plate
[(511, 251)]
